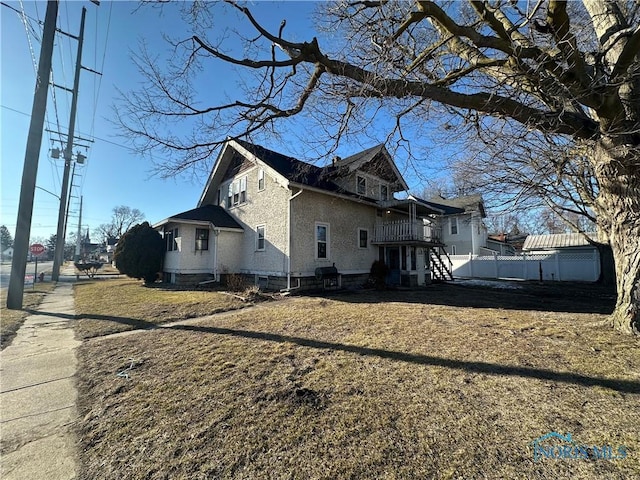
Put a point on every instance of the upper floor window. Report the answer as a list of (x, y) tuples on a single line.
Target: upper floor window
[(384, 193), (361, 185), (322, 240), (202, 239), (237, 192), (260, 179), (453, 223)]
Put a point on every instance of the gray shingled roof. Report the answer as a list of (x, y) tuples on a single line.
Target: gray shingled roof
[(213, 214), (556, 240)]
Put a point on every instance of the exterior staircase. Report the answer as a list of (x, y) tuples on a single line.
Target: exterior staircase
[(441, 267)]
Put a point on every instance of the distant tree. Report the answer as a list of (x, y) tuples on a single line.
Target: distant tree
[(50, 245), (139, 253), (6, 240), (122, 219), (69, 247)]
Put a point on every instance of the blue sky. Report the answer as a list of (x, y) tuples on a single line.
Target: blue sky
[(114, 174)]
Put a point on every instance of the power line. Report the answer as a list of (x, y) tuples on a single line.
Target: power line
[(79, 133)]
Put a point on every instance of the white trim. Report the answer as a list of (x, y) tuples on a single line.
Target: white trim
[(358, 177), (451, 220), (327, 241), (382, 199), (261, 177), (264, 237)]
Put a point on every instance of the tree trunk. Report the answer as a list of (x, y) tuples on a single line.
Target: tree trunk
[(618, 209)]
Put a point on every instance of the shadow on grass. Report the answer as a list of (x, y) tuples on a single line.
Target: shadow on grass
[(626, 386), (550, 297), (135, 323)]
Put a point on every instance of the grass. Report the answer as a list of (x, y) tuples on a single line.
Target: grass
[(433, 384), (116, 305), (12, 320)]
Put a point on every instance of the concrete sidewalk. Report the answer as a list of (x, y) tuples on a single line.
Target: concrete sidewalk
[(38, 394)]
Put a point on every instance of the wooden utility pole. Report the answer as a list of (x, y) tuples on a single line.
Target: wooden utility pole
[(76, 257), (31, 157), (58, 256)]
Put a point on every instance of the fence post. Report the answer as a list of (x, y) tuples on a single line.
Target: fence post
[(524, 266), (596, 265), (495, 263), (557, 254), (471, 264)]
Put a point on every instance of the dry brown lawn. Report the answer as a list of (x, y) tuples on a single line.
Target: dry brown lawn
[(12, 320), (392, 385), (116, 305)]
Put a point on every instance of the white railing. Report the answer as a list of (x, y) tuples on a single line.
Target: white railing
[(404, 230)]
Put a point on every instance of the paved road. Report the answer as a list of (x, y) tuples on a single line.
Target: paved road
[(5, 270)]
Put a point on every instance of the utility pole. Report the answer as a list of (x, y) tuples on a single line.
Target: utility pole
[(76, 258), (59, 252), (31, 157)]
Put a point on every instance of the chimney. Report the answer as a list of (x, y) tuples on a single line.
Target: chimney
[(335, 160)]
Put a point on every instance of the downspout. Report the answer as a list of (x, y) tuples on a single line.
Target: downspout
[(216, 276), (289, 239), (473, 234)]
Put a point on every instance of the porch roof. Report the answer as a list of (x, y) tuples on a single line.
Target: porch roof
[(423, 208), (207, 214)]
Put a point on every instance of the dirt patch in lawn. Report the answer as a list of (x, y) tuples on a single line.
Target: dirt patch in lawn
[(110, 306), (376, 385), (12, 320)]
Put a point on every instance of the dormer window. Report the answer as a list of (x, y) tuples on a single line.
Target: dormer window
[(361, 185), (384, 193)]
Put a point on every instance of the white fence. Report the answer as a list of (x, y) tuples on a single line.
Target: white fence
[(578, 266)]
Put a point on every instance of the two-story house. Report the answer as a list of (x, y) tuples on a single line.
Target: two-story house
[(277, 221)]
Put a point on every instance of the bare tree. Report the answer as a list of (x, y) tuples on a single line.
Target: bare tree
[(122, 219), (564, 73)]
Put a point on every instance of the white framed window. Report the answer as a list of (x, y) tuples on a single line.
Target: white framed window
[(322, 241), (243, 189), (237, 192), (363, 238), (384, 193), (260, 180), (453, 224), (361, 185), (202, 239), (260, 235), (171, 237)]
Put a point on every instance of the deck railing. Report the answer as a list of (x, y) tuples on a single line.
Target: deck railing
[(404, 230)]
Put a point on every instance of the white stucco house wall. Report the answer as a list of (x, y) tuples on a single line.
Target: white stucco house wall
[(276, 220)]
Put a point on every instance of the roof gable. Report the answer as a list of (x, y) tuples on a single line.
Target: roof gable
[(239, 155), (375, 161)]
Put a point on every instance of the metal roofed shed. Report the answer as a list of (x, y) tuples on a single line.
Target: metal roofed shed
[(557, 241)]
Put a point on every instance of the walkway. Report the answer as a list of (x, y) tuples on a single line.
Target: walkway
[(38, 394)]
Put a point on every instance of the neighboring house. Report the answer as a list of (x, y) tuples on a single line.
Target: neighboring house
[(7, 253), (282, 223), (463, 231)]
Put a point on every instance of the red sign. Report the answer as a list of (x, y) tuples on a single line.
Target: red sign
[(37, 249)]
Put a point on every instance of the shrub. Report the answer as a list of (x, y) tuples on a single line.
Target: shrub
[(379, 272), (235, 282), (140, 252)]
